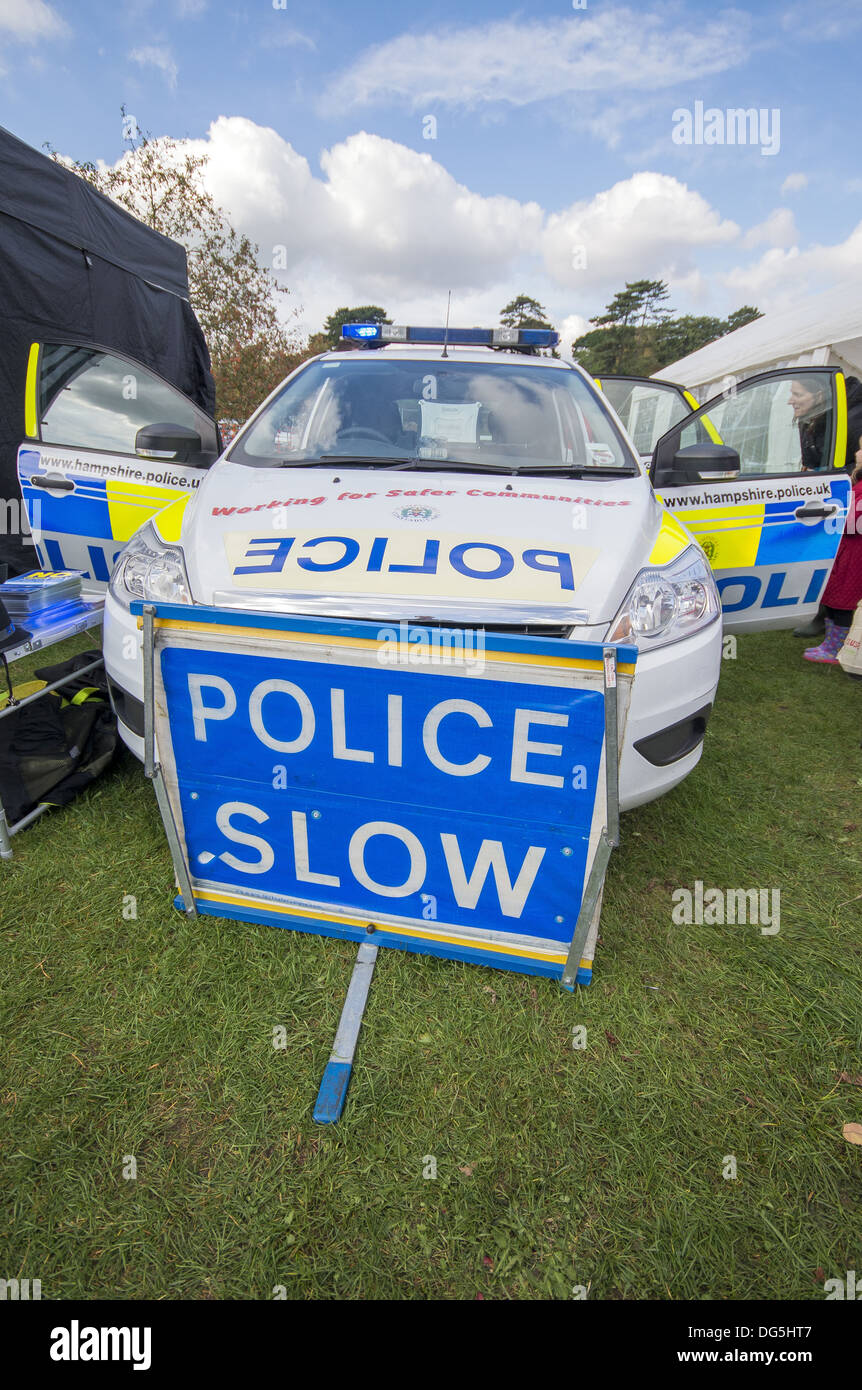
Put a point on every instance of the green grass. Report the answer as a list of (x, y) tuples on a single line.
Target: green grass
[(555, 1167)]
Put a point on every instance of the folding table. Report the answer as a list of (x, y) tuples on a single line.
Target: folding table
[(45, 630)]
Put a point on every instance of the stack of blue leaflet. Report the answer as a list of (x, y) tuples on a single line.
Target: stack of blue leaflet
[(28, 594)]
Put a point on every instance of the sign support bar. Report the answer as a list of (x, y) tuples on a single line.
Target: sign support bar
[(336, 1078), (610, 837), (589, 901), (153, 770)]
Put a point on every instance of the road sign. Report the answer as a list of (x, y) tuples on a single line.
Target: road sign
[(452, 793), (346, 778)]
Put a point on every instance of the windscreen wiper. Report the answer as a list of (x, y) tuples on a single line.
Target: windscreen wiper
[(432, 465), (454, 466), (530, 470), (348, 461)]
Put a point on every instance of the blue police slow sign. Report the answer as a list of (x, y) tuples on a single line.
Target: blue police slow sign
[(443, 790)]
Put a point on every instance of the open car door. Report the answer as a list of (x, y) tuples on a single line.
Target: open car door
[(108, 445), (770, 526), (647, 407)]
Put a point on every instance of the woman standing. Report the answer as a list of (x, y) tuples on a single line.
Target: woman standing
[(844, 587)]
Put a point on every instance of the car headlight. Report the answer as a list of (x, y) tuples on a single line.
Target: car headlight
[(668, 602), (150, 569)]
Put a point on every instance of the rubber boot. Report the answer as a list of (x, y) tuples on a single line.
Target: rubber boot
[(831, 645), (813, 627)]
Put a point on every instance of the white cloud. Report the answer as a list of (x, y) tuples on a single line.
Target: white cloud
[(384, 214), (570, 327), (647, 226), (190, 9), (794, 183), (157, 57), (823, 23), (288, 38), (785, 274), (692, 293), (524, 61), (779, 229), (30, 20), (381, 223)]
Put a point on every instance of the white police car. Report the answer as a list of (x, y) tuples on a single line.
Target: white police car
[(458, 478), (462, 483)]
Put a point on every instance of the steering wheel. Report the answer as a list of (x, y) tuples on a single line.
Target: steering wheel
[(362, 432)]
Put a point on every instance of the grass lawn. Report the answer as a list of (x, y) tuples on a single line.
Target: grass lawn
[(602, 1167)]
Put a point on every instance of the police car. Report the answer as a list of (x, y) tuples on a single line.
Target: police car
[(458, 478)]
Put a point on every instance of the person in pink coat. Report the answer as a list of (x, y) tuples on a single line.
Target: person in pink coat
[(844, 588)]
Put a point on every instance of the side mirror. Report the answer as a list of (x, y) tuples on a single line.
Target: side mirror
[(166, 441), (696, 462)]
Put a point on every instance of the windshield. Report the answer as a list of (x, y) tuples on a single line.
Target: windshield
[(507, 415)]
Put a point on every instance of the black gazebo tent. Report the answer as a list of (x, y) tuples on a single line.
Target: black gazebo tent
[(75, 266)]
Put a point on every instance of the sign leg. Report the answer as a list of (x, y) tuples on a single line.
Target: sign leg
[(5, 842), (610, 836), (152, 768), (333, 1087), (591, 897)]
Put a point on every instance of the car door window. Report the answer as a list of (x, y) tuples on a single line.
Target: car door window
[(90, 399), (648, 409), (781, 425)]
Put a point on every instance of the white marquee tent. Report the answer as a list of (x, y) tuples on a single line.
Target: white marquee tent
[(822, 330)]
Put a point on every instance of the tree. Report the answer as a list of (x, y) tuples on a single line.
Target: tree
[(524, 312), (607, 351), (331, 335), (637, 335), (652, 295), (740, 317), (235, 298), (621, 340), (317, 343), (248, 372), (640, 303), (678, 337)]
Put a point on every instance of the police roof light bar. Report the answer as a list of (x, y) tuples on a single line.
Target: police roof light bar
[(379, 334)]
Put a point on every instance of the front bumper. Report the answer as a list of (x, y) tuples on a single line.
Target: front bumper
[(672, 696)]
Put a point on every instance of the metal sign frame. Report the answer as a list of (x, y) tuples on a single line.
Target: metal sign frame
[(334, 1086)]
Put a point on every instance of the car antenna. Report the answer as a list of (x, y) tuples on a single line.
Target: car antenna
[(446, 334)]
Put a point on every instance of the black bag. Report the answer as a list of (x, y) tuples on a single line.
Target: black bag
[(53, 748)]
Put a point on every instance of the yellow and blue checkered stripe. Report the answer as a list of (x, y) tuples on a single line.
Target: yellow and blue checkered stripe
[(352, 634), (742, 535), (108, 509)]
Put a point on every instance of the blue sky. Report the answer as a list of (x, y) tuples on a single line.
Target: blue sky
[(553, 169)]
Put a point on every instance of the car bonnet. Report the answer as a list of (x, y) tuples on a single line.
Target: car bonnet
[(449, 546)]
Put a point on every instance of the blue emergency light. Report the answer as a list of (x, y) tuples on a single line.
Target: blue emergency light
[(378, 334)]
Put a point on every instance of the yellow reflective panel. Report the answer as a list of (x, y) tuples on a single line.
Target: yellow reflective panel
[(729, 535), (840, 457), (31, 406), (131, 504), (169, 521), (671, 541), (705, 420)]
